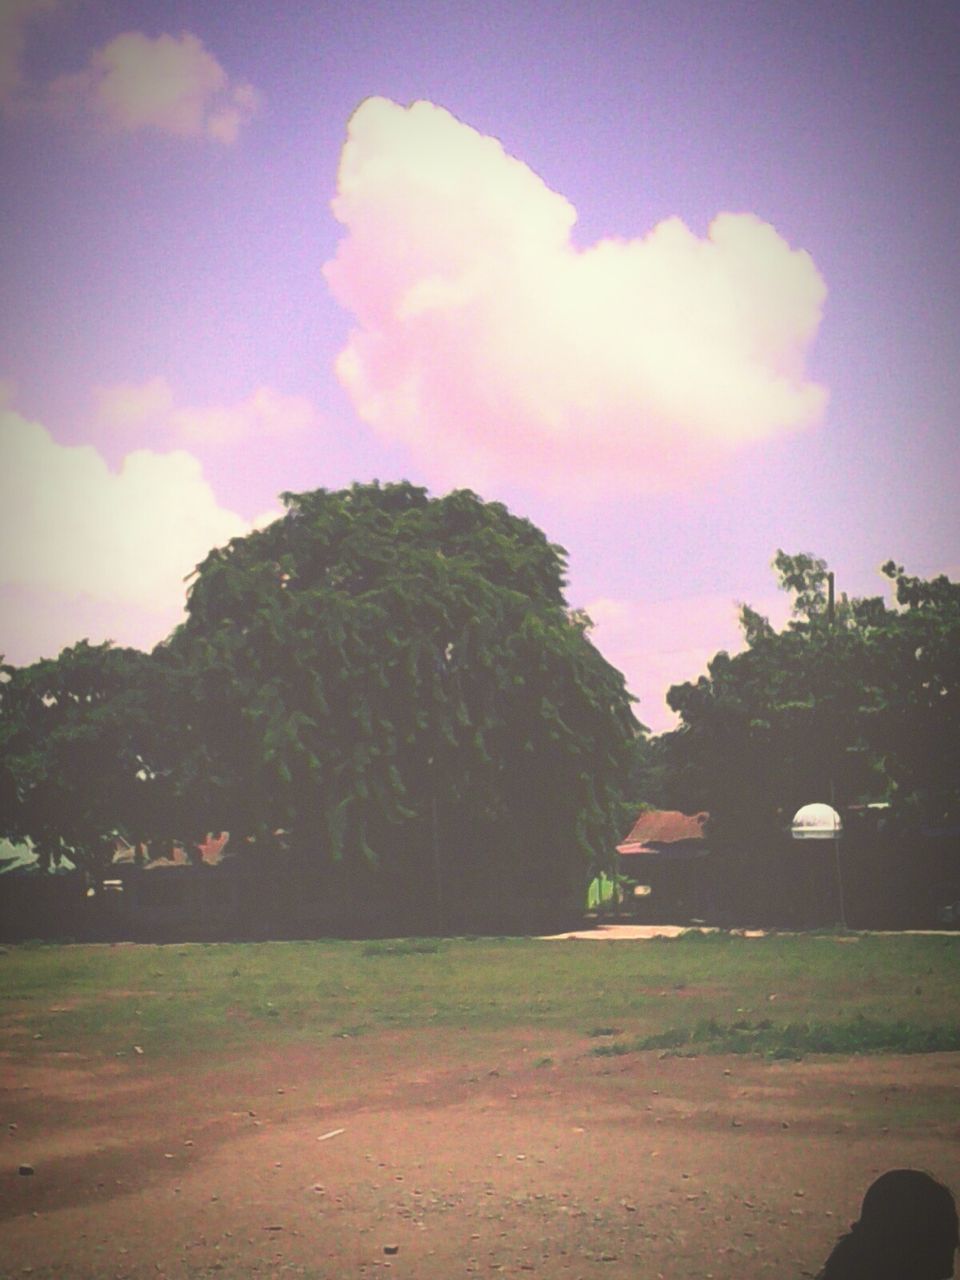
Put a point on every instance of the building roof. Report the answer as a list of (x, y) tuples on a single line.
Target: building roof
[(657, 829), (211, 852)]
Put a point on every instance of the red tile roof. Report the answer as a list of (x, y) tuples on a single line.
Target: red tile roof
[(211, 853), (662, 827)]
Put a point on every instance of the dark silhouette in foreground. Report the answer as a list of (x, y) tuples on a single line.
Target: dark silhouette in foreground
[(907, 1230)]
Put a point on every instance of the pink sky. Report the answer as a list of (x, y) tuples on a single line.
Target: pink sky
[(682, 286)]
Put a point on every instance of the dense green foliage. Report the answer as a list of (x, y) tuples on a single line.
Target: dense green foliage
[(74, 734), (858, 702), (383, 694), (776, 1038), (385, 700), (397, 681)]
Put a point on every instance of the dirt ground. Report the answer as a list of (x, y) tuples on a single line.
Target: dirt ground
[(436, 1155)]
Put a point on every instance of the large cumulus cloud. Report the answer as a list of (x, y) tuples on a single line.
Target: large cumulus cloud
[(494, 347)]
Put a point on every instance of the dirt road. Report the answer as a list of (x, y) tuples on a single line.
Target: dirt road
[(421, 1156)]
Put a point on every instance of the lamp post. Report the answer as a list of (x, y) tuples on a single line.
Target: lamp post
[(822, 822), (441, 666)]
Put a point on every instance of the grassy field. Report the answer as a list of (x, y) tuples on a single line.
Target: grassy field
[(779, 995), (464, 1107)]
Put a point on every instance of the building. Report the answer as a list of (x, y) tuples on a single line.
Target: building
[(665, 866)]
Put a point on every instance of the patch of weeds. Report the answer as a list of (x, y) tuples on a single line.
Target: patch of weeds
[(672, 1038), (702, 935), (544, 1062), (783, 1054), (869, 1035), (792, 1040), (403, 947), (615, 1050)]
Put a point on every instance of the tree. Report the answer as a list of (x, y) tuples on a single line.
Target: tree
[(912, 725), (858, 702), (774, 726), (395, 683), (74, 735)]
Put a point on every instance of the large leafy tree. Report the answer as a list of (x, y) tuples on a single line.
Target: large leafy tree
[(775, 726), (396, 685), (853, 701)]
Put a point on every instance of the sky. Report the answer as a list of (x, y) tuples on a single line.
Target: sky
[(679, 282)]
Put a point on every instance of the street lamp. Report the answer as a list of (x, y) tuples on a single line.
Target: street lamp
[(820, 821)]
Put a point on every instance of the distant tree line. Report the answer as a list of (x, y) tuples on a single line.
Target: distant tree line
[(385, 699)]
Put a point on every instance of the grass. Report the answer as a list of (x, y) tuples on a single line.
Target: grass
[(403, 947), (785, 995), (795, 1039)]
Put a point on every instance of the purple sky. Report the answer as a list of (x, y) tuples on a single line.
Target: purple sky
[(573, 331)]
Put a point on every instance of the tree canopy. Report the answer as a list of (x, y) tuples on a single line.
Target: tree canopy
[(73, 738), (384, 689), (855, 700)]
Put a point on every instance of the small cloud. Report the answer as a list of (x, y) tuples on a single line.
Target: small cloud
[(264, 413), (167, 84), (493, 347), (15, 16), (225, 122)]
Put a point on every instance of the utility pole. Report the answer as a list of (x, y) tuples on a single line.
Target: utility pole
[(441, 916), (831, 610)]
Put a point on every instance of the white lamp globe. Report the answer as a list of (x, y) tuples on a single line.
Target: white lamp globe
[(816, 822)]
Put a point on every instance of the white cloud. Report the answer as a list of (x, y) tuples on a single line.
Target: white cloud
[(104, 542), (129, 406), (492, 346), (168, 84)]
